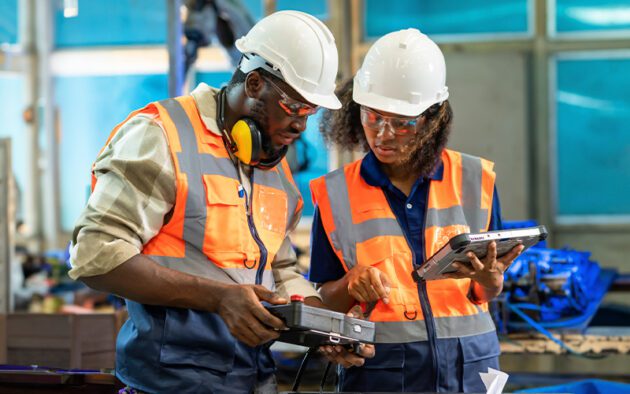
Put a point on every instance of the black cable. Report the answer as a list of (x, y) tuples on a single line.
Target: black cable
[(323, 382), (298, 377)]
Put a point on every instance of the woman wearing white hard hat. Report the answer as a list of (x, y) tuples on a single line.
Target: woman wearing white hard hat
[(382, 215)]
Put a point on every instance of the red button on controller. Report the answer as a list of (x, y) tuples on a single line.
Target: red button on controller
[(297, 298)]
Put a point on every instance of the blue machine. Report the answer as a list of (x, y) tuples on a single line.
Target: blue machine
[(545, 288)]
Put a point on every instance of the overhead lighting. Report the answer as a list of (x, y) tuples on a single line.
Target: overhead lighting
[(70, 8), (613, 16)]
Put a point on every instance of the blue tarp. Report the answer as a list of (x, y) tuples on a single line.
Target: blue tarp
[(591, 386)]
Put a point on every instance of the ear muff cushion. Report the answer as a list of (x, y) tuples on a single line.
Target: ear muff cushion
[(247, 138)]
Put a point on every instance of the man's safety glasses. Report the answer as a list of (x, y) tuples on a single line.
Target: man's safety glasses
[(400, 126), (291, 106)]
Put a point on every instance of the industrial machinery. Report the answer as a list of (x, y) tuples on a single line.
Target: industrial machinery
[(557, 289)]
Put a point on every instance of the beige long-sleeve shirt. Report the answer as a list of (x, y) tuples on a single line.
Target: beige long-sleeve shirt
[(135, 192)]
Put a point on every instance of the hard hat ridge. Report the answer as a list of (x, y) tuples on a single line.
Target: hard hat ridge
[(403, 72), (298, 46)]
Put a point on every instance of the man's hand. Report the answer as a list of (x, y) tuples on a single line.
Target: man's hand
[(487, 273), (348, 357), (246, 317), (367, 284)]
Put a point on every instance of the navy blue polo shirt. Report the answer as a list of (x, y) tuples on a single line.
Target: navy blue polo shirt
[(409, 210)]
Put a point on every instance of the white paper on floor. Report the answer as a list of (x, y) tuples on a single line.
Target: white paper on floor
[(494, 381)]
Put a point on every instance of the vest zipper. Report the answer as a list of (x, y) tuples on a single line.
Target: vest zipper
[(429, 322), (252, 229), (423, 293)]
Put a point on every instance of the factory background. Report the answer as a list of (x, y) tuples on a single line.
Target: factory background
[(540, 87)]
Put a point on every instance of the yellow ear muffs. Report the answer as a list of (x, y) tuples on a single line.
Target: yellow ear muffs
[(248, 140)]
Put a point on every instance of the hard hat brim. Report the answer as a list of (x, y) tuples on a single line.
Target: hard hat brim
[(329, 101), (391, 105)]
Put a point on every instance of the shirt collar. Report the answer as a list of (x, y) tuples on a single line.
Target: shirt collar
[(206, 99), (372, 173)]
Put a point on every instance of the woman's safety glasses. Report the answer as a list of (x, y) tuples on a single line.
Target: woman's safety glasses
[(400, 126), (290, 106)]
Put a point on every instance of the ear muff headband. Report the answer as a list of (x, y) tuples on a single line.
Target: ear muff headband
[(272, 162)]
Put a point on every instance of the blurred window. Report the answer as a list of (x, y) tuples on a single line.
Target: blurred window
[(311, 158), (8, 22), (590, 18), (112, 23), (592, 136), (216, 79), (462, 18), (255, 7), (90, 106), (317, 8)]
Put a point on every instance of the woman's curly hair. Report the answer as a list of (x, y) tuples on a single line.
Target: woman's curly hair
[(343, 128)]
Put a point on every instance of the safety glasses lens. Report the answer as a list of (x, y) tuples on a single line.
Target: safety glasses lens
[(296, 108), (401, 126)]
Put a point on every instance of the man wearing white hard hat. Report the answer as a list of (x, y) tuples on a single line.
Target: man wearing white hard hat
[(381, 216), (190, 213)]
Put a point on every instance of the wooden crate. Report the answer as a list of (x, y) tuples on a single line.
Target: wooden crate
[(82, 341)]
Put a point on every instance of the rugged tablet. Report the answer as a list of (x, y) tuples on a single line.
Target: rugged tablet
[(458, 246)]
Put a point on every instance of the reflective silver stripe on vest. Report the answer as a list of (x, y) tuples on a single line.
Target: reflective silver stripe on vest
[(191, 163), (471, 193), (343, 238), (400, 331), (451, 215), (202, 267), (463, 326), (190, 160), (195, 165), (337, 190), (293, 196), (469, 213), (377, 228), (267, 178), (446, 327)]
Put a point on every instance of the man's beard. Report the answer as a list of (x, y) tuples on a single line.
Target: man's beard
[(259, 114)]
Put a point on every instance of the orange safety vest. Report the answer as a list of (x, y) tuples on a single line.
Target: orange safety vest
[(211, 232), (362, 229)]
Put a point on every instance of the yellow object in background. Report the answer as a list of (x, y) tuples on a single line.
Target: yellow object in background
[(51, 304)]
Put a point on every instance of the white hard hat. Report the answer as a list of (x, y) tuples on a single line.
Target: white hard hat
[(403, 73), (301, 48)]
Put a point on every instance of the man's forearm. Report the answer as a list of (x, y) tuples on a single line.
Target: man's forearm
[(142, 280), (335, 295)]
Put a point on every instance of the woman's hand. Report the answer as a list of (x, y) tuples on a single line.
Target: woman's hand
[(488, 272)]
